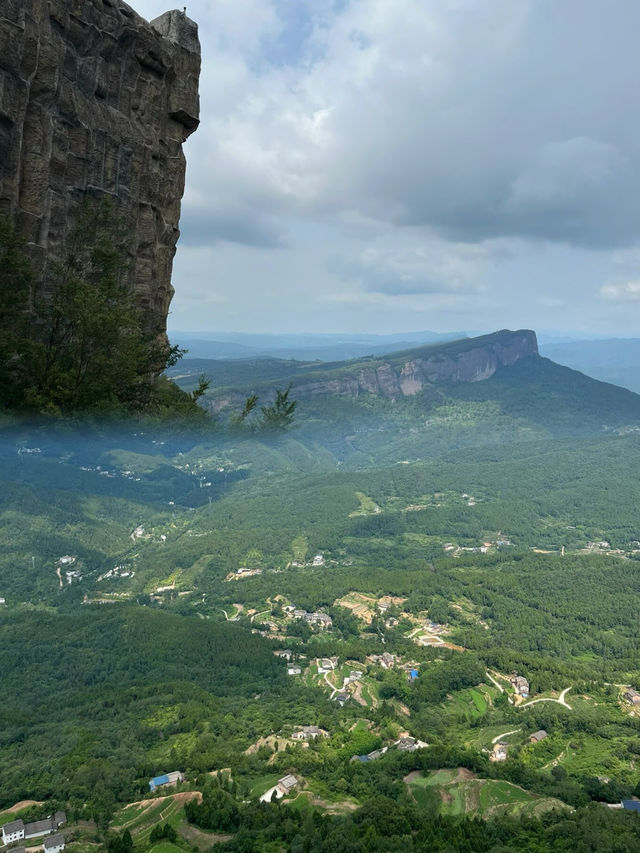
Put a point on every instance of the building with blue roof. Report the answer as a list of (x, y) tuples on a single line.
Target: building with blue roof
[(631, 805), (166, 779)]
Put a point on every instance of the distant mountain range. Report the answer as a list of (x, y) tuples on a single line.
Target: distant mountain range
[(303, 347), (615, 360)]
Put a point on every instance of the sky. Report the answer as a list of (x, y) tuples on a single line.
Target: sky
[(403, 165)]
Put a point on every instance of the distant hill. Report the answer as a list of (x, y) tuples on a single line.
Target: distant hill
[(303, 347), (614, 360), (399, 374)]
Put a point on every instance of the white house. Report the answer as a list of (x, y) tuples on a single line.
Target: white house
[(54, 843), (12, 831)]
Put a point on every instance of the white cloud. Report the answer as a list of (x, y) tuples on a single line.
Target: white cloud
[(628, 291), (383, 150)]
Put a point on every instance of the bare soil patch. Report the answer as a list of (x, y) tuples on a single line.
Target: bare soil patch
[(410, 777), (182, 797), (23, 804), (464, 775)]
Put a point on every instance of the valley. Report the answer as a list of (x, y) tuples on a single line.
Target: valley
[(422, 610)]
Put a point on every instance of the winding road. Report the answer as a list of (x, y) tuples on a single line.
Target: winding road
[(504, 734), (493, 681), (560, 700)]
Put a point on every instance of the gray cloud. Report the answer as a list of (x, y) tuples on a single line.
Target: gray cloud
[(206, 227), (447, 127)]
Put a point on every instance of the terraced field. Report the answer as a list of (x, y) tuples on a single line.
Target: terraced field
[(462, 793)]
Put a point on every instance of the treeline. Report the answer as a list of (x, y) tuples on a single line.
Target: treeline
[(389, 822)]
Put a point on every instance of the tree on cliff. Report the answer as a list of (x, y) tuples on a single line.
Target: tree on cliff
[(280, 414), (77, 344)]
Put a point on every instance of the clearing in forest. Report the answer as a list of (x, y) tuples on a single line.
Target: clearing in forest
[(362, 606), (367, 506), (461, 792), (142, 816)]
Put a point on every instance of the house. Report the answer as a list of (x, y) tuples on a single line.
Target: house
[(166, 779), (287, 784), (294, 670), (284, 653), (54, 843), (391, 622), (377, 753), (325, 665), (413, 674), (355, 675), (520, 685), (631, 805), (387, 660), (342, 698), (536, 737), (318, 560), (308, 733), (410, 744), (12, 831), (631, 696), (299, 613), (16, 830), (318, 618), (499, 751)]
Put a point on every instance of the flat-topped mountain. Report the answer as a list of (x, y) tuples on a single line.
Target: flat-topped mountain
[(400, 374), (407, 372)]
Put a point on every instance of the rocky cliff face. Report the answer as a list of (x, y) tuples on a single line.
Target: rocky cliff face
[(94, 99), (465, 361), (401, 374)]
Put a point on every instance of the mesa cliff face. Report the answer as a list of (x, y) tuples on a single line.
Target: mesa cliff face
[(96, 100), (469, 360), (403, 374)]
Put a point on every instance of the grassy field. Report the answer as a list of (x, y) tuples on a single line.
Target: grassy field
[(367, 506), (165, 847), (262, 785), (462, 793)]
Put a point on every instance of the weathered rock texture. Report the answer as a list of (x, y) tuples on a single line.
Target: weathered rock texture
[(406, 373), (94, 99)]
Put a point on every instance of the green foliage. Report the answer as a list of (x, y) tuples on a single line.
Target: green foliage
[(75, 342), (279, 415), (160, 832)]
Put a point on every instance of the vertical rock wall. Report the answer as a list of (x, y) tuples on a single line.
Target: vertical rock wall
[(94, 99)]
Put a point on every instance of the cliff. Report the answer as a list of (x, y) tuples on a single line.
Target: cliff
[(400, 374), (404, 374), (94, 99)]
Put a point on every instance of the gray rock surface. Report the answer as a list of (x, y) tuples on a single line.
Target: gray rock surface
[(94, 99), (402, 374)]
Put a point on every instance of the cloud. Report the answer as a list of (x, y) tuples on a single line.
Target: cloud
[(388, 148), (478, 120), (202, 226), (628, 291), (415, 264)]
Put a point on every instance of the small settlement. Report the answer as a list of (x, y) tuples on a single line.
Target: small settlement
[(18, 830)]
